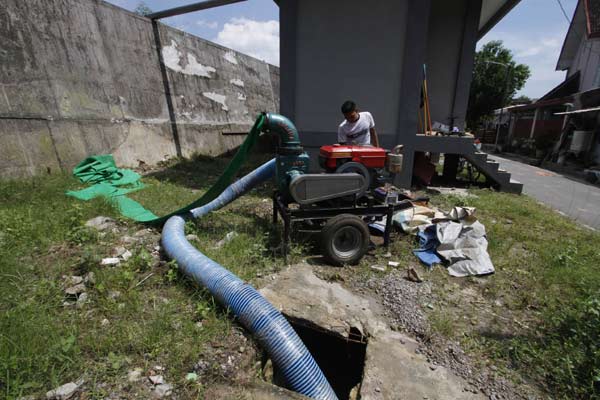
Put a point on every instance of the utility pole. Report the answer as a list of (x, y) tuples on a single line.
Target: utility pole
[(508, 69)]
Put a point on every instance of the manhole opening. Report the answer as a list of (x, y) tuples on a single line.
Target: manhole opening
[(341, 359)]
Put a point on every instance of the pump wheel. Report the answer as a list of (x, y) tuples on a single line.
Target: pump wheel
[(357, 168), (345, 239)]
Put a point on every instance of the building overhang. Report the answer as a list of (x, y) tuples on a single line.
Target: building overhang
[(492, 11)]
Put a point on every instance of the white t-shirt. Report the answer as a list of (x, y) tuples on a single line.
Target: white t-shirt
[(357, 132)]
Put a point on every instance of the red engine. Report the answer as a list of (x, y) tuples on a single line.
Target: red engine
[(332, 156)]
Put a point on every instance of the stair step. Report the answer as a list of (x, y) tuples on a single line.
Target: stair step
[(513, 186), (492, 165), (479, 156), (502, 177)]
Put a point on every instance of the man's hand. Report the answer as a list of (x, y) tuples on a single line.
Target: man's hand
[(374, 137)]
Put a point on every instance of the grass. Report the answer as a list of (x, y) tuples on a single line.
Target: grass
[(537, 317), (152, 311), (539, 314)]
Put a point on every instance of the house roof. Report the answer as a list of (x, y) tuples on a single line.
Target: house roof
[(565, 88), (560, 94), (585, 23), (592, 13)]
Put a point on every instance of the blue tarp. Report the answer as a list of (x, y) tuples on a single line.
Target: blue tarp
[(428, 243)]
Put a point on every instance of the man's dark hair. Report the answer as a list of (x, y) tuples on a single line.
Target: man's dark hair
[(348, 107)]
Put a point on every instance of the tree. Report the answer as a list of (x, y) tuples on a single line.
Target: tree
[(522, 99), (142, 9), (490, 88)]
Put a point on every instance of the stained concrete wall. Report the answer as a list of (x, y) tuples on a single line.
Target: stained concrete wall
[(81, 77)]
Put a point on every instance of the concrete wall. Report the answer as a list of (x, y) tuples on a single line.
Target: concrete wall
[(82, 77)]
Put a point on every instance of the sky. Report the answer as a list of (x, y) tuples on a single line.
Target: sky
[(251, 27), (534, 30)]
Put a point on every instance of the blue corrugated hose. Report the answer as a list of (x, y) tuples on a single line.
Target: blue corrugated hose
[(276, 335)]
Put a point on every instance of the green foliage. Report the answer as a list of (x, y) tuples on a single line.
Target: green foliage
[(522, 99), (142, 9), (567, 350), (494, 84)]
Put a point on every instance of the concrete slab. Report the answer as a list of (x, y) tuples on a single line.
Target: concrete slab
[(254, 391), (393, 370)]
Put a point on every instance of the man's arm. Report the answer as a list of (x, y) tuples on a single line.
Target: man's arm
[(374, 137), (372, 132), (341, 136)]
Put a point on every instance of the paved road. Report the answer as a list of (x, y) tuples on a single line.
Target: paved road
[(578, 200)]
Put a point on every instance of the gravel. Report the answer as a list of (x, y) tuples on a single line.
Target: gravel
[(404, 301)]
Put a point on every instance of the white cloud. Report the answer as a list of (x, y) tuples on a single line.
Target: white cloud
[(207, 24), (258, 39)]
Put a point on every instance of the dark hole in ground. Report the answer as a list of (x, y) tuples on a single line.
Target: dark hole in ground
[(341, 360)]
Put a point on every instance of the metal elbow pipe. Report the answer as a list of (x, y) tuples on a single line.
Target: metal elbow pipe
[(267, 324), (289, 140)]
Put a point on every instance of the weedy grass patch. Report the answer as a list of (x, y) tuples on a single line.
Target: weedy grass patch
[(537, 316), (139, 313), (541, 307)]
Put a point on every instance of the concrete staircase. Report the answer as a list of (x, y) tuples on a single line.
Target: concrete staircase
[(464, 147), (491, 170)]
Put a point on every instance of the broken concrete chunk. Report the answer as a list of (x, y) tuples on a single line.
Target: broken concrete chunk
[(82, 299), (380, 268), (162, 390), (134, 375), (228, 238), (191, 238), (63, 392), (118, 251), (75, 290), (90, 278), (73, 280), (156, 379), (110, 261), (100, 223)]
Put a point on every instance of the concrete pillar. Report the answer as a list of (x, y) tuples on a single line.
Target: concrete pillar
[(450, 167), (410, 90), (465, 63), (535, 117)]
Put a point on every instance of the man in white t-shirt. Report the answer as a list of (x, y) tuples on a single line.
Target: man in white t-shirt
[(358, 128)]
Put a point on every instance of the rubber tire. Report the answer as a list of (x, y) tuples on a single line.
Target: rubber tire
[(346, 224), (352, 166)]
